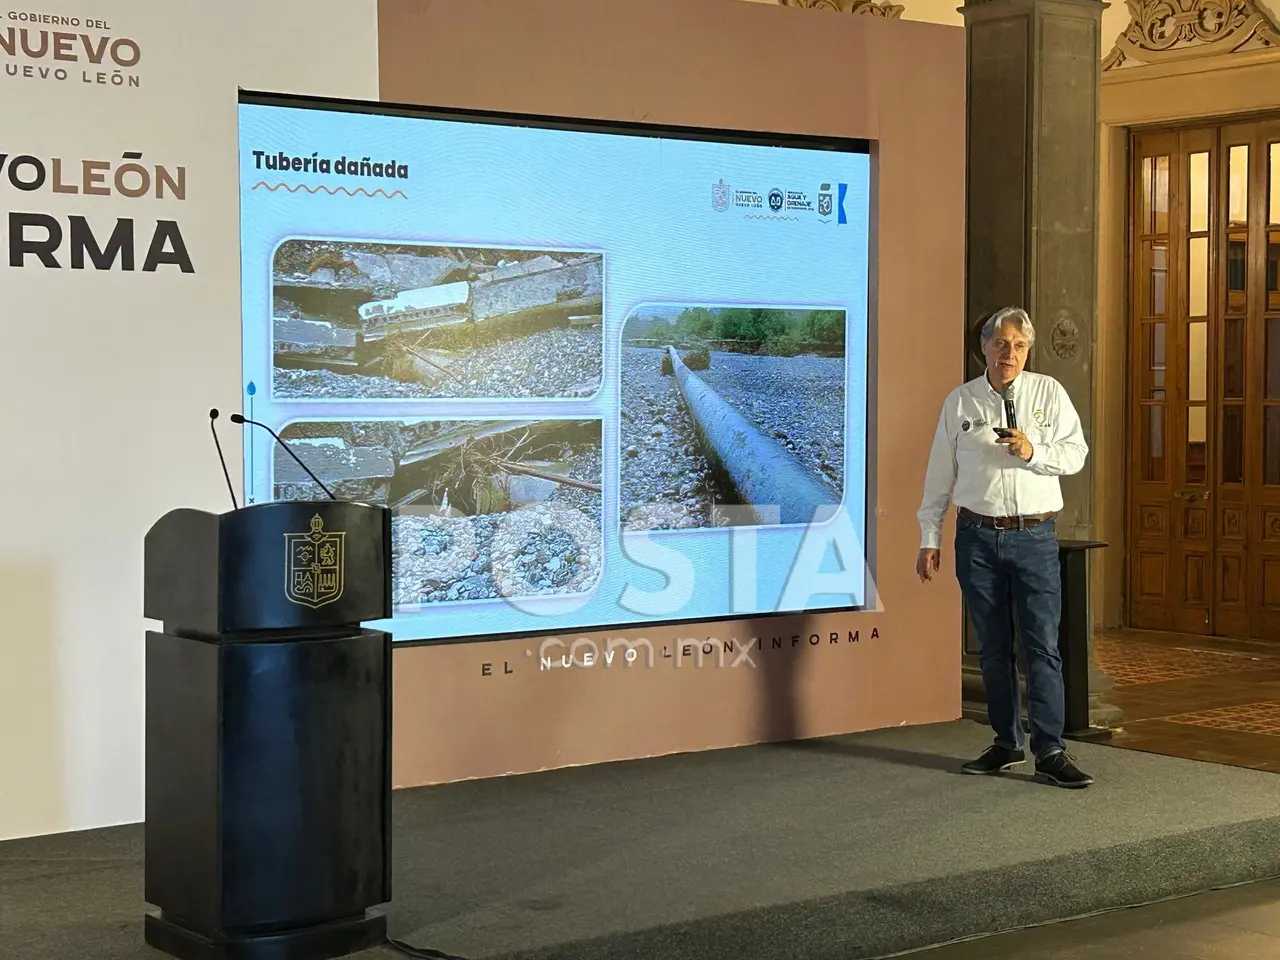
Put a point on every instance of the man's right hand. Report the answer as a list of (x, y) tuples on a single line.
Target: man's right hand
[(927, 564)]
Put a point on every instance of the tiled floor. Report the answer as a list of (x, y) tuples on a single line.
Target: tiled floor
[(1195, 697), (1242, 923)]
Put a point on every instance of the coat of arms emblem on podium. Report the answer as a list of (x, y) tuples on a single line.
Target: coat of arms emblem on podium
[(315, 563)]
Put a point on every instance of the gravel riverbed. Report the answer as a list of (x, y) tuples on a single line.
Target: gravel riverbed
[(550, 548), (666, 481), (564, 362), (797, 401)]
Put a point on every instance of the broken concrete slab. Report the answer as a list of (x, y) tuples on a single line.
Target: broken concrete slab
[(507, 271), (567, 289), (417, 310), (312, 343), (350, 471)]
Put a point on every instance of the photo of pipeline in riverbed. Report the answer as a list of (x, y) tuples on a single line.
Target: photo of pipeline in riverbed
[(730, 416), (378, 321), (481, 509)]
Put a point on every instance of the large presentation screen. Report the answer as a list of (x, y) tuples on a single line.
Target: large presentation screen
[(604, 377)]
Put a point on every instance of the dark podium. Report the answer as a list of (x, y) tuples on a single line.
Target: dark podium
[(1074, 631), (268, 721)]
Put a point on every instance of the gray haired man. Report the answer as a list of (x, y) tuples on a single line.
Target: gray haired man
[(1002, 476)]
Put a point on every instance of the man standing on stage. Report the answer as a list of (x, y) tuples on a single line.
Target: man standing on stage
[(1002, 442)]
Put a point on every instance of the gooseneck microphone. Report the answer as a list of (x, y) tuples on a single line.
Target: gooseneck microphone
[(237, 418), (213, 415)]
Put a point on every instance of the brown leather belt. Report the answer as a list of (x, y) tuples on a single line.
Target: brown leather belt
[(1006, 523)]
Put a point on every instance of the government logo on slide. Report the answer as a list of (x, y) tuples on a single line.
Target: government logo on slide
[(829, 202), (720, 196)]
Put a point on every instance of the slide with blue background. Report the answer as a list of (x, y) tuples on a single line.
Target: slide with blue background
[(602, 378)]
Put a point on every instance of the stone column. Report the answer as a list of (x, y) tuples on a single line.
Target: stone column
[(1034, 68)]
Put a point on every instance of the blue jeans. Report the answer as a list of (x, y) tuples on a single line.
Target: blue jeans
[(1009, 576)]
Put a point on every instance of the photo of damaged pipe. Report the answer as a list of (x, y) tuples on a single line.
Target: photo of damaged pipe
[(366, 321), (731, 416), (481, 509)]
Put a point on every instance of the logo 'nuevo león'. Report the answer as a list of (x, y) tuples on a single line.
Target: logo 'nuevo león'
[(65, 49)]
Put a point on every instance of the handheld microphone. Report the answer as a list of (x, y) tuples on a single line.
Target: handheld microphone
[(1010, 417), (213, 415), (237, 418)]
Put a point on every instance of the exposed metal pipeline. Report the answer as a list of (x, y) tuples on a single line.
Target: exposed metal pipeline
[(763, 471)]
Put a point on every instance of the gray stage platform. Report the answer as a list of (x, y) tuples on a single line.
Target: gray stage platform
[(845, 849)]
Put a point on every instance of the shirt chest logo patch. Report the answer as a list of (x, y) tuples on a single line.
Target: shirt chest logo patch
[(1040, 418)]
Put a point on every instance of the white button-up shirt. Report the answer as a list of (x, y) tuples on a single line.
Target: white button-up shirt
[(967, 467)]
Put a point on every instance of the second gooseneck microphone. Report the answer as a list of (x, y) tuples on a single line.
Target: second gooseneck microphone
[(238, 418), (213, 415)]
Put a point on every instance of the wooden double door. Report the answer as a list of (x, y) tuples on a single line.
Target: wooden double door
[(1204, 384)]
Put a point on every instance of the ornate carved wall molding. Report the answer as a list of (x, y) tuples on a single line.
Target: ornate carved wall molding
[(870, 8), (1162, 31)]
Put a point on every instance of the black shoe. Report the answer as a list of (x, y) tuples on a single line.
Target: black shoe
[(1060, 770), (996, 759)]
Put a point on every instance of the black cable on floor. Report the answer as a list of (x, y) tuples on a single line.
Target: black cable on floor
[(420, 953)]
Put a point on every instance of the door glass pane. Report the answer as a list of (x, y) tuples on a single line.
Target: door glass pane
[(1237, 271), (1233, 358), (1273, 358), (1197, 426), (1233, 444), (1271, 446), (1197, 434), (1198, 192), (1198, 362), (1155, 195), (1153, 369), (1157, 278), (1238, 185), (1238, 233), (1273, 270), (1273, 186), (1153, 442), (1198, 277)]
